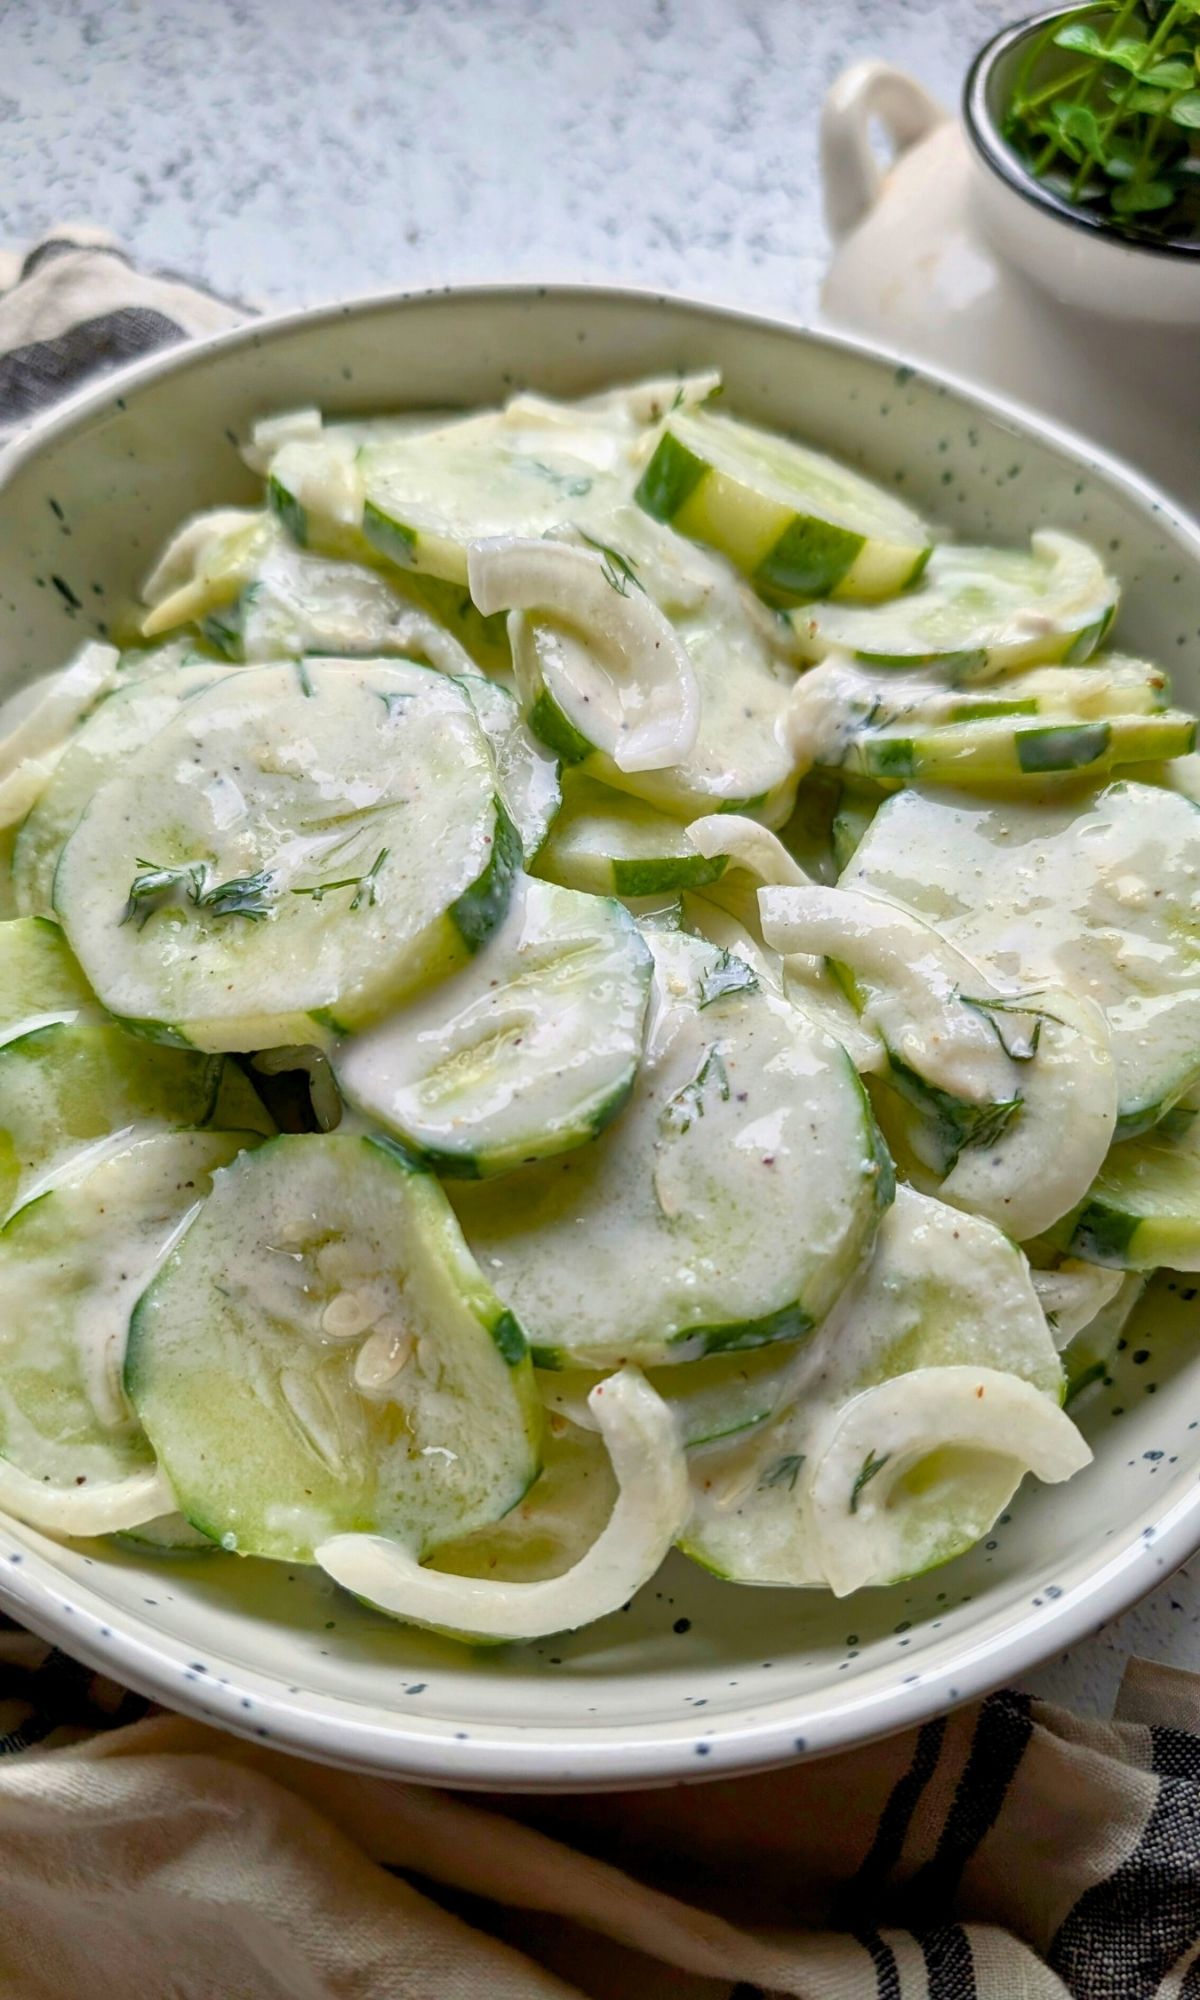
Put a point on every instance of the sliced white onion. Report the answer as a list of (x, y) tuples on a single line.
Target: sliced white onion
[(85, 1510), (749, 845), (188, 548), (915, 1006), (859, 1519), (270, 434), (1073, 1294), (629, 686), (651, 1509)]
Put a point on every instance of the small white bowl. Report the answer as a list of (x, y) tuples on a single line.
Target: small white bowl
[(697, 1678)]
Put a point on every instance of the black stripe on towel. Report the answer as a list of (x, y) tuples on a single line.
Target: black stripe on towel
[(949, 1963), (1124, 1934), (1002, 1734), (34, 376)]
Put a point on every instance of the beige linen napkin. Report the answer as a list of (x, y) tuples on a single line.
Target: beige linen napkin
[(1008, 1850)]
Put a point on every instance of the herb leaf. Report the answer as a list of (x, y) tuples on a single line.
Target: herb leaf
[(784, 1472), (243, 896), (619, 571), (728, 975), (681, 1111), (1018, 1047), (365, 886), (157, 886), (869, 1467)]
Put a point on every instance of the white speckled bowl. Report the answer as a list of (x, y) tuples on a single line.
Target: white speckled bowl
[(697, 1678)]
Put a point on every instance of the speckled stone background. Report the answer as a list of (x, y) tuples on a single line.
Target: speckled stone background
[(285, 151)]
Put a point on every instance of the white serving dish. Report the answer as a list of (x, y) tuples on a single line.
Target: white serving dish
[(697, 1678)]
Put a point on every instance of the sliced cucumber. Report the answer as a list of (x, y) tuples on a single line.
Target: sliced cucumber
[(650, 1509), (1015, 1091), (944, 1294), (125, 720), (1144, 1208), (167, 1535), (741, 1186), (798, 524), (527, 774), (1087, 1357), (321, 1355), (845, 715), (977, 612), (66, 1089), (715, 1397), (528, 1051), (565, 1510), (994, 750), (39, 979), (1097, 895), (300, 842), (36, 723), (612, 844), (72, 1263)]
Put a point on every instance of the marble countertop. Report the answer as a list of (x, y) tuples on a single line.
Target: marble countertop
[(286, 151)]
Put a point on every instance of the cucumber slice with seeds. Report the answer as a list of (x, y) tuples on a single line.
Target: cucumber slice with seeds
[(321, 1355), (72, 1263), (976, 612), (798, 524), (1096, 894), (130, 717), (742, 1183), (943, 1293), (612, 844), (72, 1087), (39, 979), (300, 842), (528, 1051)]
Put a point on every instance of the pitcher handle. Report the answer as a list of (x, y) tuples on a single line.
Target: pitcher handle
[(850, 170)]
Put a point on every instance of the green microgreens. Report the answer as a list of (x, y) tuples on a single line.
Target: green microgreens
[(866, 1473), (1106, 109), (619, 571)]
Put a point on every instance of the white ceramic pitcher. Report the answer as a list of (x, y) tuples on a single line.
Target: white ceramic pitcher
[(956, 255)]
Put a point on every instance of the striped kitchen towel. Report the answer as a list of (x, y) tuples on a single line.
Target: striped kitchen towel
[(1011, 1851), (1008, 1852)]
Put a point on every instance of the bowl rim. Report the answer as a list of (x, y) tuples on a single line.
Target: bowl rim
[(252, 1703), (999, 158)]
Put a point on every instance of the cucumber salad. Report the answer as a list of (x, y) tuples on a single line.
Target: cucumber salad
[(584, 982)]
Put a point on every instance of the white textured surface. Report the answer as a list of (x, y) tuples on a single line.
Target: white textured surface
[(285, 151)]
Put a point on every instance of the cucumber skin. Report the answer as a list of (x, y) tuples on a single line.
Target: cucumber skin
[(476, 913), (680, 871), (808, 561), (557, 732), (670, 479), (285, 506), (389, 538), (1104, 1235)]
